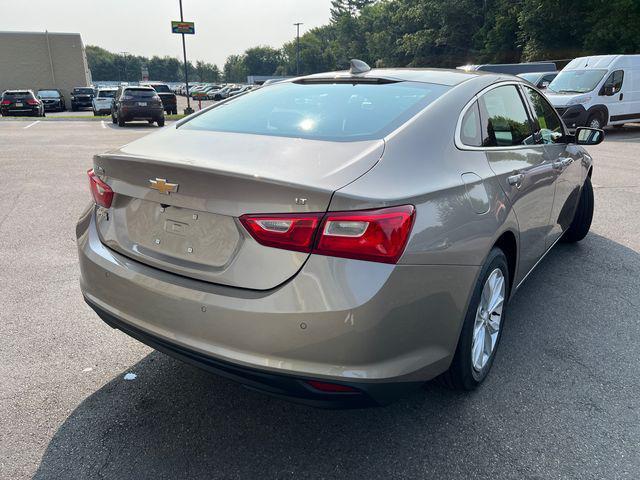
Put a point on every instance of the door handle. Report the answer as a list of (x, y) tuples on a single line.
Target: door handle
[(562, 163), (516, 180), (621, 96)]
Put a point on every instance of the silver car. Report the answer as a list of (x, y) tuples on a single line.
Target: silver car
[(336, 239)]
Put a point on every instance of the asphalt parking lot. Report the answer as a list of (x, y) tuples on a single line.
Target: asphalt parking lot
[(561, 402)]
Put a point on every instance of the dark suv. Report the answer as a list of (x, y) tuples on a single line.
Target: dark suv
[(82, 97), (169, 101), (52, 99), (16, 102), (137, 103)]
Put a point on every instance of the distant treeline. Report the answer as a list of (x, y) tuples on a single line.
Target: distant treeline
[(420, 33)]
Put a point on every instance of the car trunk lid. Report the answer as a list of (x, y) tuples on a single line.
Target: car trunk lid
[(179, 193)]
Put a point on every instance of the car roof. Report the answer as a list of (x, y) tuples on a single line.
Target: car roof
[(138, 87), (440, 76), (22, 90)]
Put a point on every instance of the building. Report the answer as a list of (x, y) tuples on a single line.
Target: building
[(39, 60)]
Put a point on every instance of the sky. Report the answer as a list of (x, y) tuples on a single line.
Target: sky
[(143, 27)]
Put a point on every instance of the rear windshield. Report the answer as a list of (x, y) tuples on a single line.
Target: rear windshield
[(17, 95), (48, 93), (327, 111), (530, 77), (140, 92), (106, 93), (161, 88), (83, 91)]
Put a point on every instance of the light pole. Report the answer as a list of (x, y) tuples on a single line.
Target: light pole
[(297, 25), (188, 110), (124, 56)]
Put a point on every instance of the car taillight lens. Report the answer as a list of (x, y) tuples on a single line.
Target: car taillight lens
[(5, 102), (32, 101), (374, 235), (102, 193), (288, 231)]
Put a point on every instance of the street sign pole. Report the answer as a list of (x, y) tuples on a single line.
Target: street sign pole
[(188, 110)]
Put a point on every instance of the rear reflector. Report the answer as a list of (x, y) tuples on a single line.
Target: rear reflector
[(5, 102), (290, 232), (102, 193), (374, 235), (331, 387)]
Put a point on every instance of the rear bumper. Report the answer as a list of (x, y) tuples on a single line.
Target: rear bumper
[(142, 113), (20, 111), (383, 329)]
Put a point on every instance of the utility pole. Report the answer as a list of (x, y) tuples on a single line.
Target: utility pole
[(188, 110), (124, 56), (297, 25)]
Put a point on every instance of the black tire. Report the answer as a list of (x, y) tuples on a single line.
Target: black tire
[(174, 111), (113, 119), (160, 122), (461, 374), (596, 120), (582, 218), (121, 122)]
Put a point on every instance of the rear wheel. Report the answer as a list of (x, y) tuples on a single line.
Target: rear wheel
[(582, 218), (121, 121), (161, 122), (113, 118), (482, 327), (596, 120)]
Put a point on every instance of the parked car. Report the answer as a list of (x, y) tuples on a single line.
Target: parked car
[(539, 79), (137, 103), (226, 92), (20, 102), (52, 100), (354, 235), (205, 93), (103, 100), (242, 89), (512, 68), (598, 91), (169, 100), (81, 97)]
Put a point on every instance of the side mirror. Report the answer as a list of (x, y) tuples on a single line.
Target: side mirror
[(589, 136), (544, 85)]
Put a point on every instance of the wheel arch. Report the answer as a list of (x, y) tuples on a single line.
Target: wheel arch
[(508, 243), (601, 109)]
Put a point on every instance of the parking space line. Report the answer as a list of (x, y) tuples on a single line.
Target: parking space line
[(102, 123), (31, 124)]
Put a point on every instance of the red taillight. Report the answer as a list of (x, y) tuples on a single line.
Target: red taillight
[(32, 101), (5, 102), (375, 235), (331, 387), (288, 231), (102, 193)]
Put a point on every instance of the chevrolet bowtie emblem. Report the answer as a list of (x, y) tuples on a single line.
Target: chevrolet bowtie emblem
[(161, 185)]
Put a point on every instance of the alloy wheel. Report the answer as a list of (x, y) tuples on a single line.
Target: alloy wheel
[(488, 320)]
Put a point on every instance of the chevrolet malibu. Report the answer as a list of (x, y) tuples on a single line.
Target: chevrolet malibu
[(337, 239)]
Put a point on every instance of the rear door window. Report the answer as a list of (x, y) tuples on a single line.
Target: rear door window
[(470, 130), (505, 122)]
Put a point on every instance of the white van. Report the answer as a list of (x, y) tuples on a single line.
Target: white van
[(598, 91)]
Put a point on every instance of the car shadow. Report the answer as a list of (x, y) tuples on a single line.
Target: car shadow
[(175, 421)]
